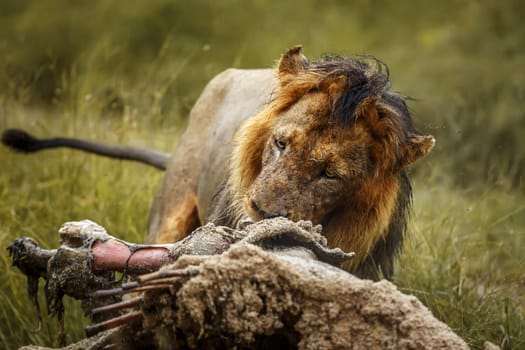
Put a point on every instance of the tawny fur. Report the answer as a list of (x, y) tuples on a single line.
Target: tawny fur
[(324, 141), (359, 225)]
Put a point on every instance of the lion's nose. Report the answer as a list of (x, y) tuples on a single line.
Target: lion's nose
[(266, 214)]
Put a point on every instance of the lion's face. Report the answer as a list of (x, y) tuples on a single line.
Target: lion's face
[(310, 166), (332, 148)]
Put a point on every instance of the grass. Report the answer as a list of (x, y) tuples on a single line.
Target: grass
[(40, 192), (464, 261), (130, 75)]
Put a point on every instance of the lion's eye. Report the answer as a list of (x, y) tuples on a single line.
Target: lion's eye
[(280, 144), (329, 173)]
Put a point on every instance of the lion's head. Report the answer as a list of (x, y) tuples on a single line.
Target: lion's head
[(331, 147)]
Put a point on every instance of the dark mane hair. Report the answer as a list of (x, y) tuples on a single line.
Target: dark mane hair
[(353, 91), (363, 80), (364, 77)]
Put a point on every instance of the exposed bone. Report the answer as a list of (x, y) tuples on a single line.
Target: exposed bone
[(117, 306), (113, 323), (250, 298), (278, 286)]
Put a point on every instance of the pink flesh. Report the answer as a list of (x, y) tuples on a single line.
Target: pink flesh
[(112, 255)]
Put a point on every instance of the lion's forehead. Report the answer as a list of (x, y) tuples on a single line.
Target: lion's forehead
[(316, 137), (325, 142)]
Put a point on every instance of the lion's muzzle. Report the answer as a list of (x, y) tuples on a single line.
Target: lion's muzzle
[(263, 213)]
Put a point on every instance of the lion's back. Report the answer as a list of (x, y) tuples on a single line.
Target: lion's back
[(244, 93), (199, 162)]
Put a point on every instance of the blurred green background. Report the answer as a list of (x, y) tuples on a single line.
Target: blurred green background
[(129, 72)]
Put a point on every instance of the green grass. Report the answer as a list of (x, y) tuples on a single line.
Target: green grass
[(129, 74), (41, 191), (464, 260)]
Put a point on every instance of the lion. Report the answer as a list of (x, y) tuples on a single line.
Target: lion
[(324, 141)]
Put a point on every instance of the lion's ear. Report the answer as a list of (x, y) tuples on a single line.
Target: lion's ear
[(292, 63), (396, 149), (416, 147)]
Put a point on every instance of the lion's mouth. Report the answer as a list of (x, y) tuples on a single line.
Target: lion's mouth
[(257, 212), (252, 210)]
